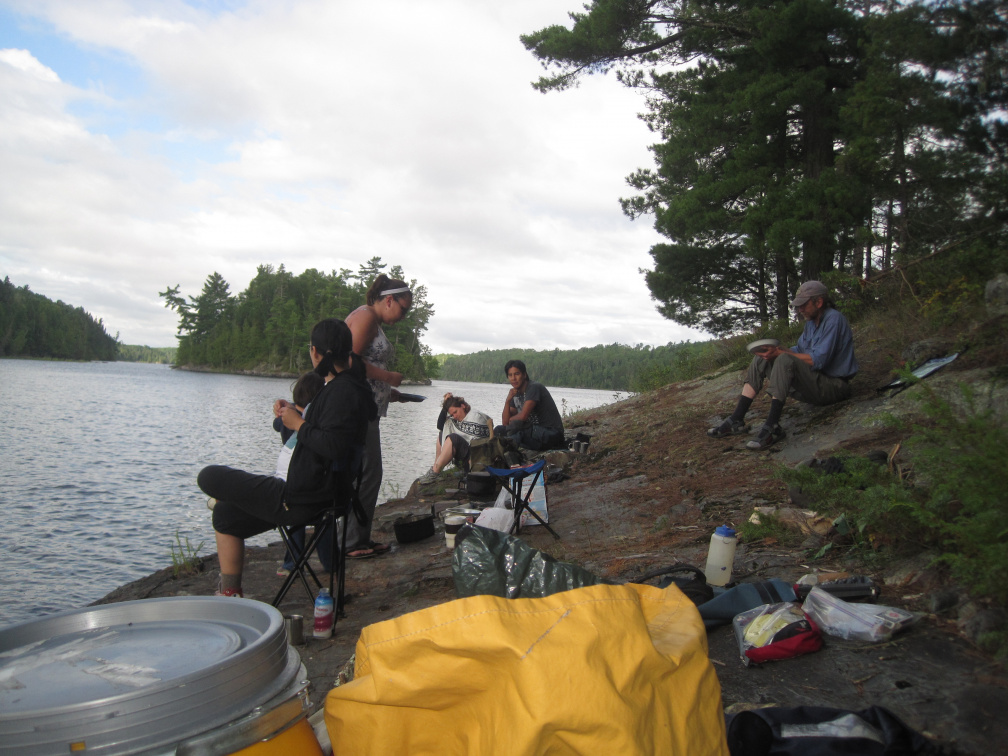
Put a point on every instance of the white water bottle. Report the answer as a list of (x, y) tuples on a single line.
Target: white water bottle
[(325, 614), (720, 556)]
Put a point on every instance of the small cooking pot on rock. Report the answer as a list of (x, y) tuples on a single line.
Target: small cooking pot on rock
[(411, 528), (479, 483)]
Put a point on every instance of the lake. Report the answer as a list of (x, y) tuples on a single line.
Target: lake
[(98, 477)]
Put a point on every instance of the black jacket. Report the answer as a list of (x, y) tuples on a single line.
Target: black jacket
[(335, 426)]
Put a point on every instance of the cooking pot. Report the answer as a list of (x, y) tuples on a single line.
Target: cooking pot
[(479, 483), (411, 528)]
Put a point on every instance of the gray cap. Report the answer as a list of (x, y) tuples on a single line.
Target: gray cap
[(808, 290)]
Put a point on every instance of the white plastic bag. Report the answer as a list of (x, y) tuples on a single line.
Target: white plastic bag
[(503, 499), (496, 518), (865, 622)]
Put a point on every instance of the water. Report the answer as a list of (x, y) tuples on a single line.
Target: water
[(99, 464)]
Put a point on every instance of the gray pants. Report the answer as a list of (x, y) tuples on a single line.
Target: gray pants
[(790, 376), (359, 535)]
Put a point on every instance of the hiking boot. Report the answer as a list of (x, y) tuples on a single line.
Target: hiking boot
[(728, 428), (766, 438), (428, 477)]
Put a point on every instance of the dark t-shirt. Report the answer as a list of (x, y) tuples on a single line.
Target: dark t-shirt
[(545, 413)]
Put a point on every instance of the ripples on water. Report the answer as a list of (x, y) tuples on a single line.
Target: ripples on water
[(98, 473)]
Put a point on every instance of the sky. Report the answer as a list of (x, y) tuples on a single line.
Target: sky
[(149, 143)]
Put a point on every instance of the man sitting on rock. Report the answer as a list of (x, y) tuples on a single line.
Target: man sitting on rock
[(531, 418), (817, 370)]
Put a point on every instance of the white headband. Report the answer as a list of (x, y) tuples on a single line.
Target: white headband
[(389, 292)]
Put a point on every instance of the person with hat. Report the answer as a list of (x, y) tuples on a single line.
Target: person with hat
[(817, 370)]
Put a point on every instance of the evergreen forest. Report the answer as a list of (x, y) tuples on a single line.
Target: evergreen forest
[(144, 353), (802, 139), (265, 328), (32, 325), (612, 366)]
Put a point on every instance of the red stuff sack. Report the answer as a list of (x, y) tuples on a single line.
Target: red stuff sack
[(775, 631)]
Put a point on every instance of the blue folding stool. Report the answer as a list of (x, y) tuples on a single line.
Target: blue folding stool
[(513, 480)]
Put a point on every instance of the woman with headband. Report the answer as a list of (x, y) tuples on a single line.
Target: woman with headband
[(333, 425), (387, 302)]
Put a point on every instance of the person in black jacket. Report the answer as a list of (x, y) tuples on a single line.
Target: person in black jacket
[(334, 426)]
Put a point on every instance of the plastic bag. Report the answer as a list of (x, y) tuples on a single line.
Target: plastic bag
[(489, 562), (503, 499), (864, 622), (775, 631), (496, 518)]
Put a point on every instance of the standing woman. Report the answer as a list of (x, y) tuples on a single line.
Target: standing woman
[(334, 424), (388, 301)]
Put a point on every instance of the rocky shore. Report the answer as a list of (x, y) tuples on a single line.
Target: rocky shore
[(647, 494)]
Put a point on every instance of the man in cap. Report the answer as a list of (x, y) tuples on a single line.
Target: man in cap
[(817, 370)]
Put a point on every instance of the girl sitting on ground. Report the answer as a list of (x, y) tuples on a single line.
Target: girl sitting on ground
[(463, 426)]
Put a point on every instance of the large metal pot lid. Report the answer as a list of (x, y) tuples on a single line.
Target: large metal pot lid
[(152, 670)]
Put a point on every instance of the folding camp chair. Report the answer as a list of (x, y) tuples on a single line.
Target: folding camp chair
[(346, 500), (513, 480)]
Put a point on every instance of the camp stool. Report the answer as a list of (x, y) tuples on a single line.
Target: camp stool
[(345, 500), (513, 480)]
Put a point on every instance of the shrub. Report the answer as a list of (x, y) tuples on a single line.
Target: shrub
[(951, 498), (960, 458)]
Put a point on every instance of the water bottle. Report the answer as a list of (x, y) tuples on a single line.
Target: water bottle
[(325, 614), (720, 556)]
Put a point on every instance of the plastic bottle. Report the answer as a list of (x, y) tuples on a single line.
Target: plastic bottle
[(325, 614), (720, 556)]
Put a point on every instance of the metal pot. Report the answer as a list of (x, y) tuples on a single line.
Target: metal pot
[(479, 483), (411, 528)]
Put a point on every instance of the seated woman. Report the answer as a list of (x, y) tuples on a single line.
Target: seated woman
[(334, 424), (464, 426), (305, 389)]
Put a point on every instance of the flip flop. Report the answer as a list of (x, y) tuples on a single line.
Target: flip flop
[(364, 552), (380, 548)]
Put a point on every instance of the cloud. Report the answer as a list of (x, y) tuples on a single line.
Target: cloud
[(318, 134)]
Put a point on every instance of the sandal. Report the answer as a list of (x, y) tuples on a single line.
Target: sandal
[(728, 428), (766, 438), (364, 552), (380, 548)]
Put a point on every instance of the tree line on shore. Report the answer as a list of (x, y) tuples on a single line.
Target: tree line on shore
[(144, 353), (32, 325), (617, 367), (265, 327)]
